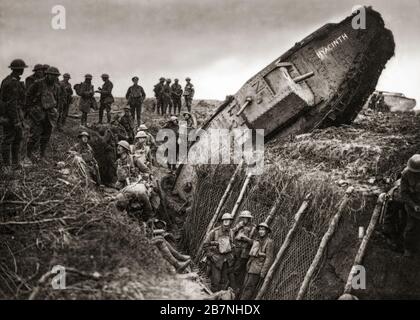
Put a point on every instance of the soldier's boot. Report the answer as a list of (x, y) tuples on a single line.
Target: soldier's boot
[(178, 255), (16, 156), (179, 266), (101, 115), (5, 152), (108, 116)]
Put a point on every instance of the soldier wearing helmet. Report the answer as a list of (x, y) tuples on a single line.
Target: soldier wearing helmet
[(87, 100), (67, 99), (126, 121), (188, 94), (85, 157), (172, 124), (167, 97), (219, 246), (158, 90), (44, 99), (12, 100), (177, 91), (129, 167), (244, 232), (142, 148), (106, 99), (135, 97), (38, 73), (410, 196), (261, 257)]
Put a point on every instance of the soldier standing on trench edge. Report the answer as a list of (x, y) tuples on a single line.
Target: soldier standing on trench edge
[(12, 99), (410, 195)]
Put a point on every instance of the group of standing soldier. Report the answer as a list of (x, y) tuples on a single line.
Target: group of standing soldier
[(169, 97), (239, 256), (39, 103)]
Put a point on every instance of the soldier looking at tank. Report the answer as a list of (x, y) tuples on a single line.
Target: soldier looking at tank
[(158, 90), (87, 100), (188, 93), (67, 99), (12, 100), (177, 91), (106, 99), (243, 231), (135, 97), (261, 257), (44, 99), (219, 246)]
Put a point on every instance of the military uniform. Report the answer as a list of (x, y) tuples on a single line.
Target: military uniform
[(167, 99), (243, 234), (86, 153), (31, 79), (43, 101), (176, 97), (260, 259), (129, 168), (67, 100), (219, 246), (136, 201), (189, 95), (159, 97), (12, 98), (106, 100), (127, 123), (87, 100), (135, 96), (410, 195)]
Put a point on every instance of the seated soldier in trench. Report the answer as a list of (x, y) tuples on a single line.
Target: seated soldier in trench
[(160, 239), (84, 159)]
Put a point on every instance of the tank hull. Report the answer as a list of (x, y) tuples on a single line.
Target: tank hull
[(324, 80)]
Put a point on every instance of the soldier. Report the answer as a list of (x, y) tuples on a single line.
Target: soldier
[(178, 260), (87, 100), (106, 99), (177, 96), (158, 95), (243, 232), (127, 123), (67, 99), (135, 96), (135, 200), (38, 74), (12, 100), (167, 97), (173, 125), (44, 98), (84, 152), (260, 259), (151, 142), (219, 250), (128, 167), (142, 149), (410, 195), (188, 94)]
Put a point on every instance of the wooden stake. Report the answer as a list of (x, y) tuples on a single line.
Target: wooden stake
[(241, 194), (361, 252), (322, 246), (283, 247)]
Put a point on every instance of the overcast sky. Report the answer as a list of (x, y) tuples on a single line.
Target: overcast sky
[(219, 44)]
